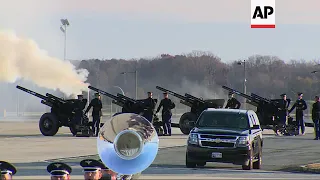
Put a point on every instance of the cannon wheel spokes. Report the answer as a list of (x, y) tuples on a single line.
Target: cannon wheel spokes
[(48, 124), (185, 119)]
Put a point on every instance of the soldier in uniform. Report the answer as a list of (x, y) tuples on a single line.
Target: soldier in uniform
[(96, 113), (79, 107), (283, 109), (59, 171), (92, 169), (232, 103), (166, 105), (7, 170), (150, 106), (300, 106), (316, 117)]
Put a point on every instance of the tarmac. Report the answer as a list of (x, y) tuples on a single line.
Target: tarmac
[(22, 144)]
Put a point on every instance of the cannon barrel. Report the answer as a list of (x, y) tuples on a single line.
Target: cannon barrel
[(103, 92), (126, 98), (238, 93), (172, 93), (193, 97), (55, 97), (260, 98), (32, 92)]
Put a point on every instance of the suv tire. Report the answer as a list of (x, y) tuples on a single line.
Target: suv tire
[(249, 166), (202, 164), (190, 164), (257, 164)]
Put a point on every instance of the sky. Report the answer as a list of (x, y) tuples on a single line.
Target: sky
[(106, 29)]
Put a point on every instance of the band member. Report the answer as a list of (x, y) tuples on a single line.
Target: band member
[(59, 171), (232, 103), (92, 169), (7, 170), (316, 117), (96, 113), (300, 106), (166, 105)]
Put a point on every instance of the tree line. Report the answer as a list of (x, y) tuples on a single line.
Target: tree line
[(202, 74)]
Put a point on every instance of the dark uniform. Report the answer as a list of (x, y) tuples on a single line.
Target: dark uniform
[(166, 105), (80, 104), (150, 105), (96, 113), (300, 106), (316, 117), (59, 170), (233, 103), (7, 170), (283, 109), (92, 169)]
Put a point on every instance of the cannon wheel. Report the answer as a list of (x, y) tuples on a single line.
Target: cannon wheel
[(48, 124), (184, 122)]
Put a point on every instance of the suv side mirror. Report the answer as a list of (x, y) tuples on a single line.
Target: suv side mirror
[(255, 127)]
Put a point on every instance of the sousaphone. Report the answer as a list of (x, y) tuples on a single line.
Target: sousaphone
[(127, 143)]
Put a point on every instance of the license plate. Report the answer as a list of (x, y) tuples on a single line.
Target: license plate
[(216, 155)]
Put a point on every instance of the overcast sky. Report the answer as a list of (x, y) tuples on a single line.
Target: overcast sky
[(144, 28)]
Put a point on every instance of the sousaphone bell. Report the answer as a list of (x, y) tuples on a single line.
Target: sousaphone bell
[(127, 143)]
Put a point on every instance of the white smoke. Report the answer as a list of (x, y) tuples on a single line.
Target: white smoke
[(23, 59)]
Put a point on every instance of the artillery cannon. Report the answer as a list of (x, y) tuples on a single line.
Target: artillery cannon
[(197, 106), (128, 105), (267, 109), (62, 114)]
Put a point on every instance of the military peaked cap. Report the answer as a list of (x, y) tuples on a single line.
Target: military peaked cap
[(149, 92), (231, 93), (97, 94), (80, 95), (165, 92), (6, 168), (91, 165), (59, 169), (300, 94), (284, 94)]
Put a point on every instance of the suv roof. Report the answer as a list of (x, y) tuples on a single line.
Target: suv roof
[(229, 110)]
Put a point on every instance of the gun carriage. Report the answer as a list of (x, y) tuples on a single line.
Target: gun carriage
[(62, 113), (197, 106), (268, 112)]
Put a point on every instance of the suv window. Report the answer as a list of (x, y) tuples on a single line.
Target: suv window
[(223, 120)]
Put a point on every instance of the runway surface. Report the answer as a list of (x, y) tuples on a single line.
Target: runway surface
[(22, 144)]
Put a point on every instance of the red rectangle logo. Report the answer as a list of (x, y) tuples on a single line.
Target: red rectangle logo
[(263, 26)]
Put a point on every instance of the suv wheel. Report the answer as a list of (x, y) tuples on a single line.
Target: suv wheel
[(190, 164), (249, 165), (257, 164)]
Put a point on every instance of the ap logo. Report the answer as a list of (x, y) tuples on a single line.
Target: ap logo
[(263, 14)]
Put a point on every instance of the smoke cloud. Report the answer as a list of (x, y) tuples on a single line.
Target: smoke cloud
[(21, 58), (201, 91)]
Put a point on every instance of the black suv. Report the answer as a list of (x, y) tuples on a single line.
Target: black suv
[(226, 136)]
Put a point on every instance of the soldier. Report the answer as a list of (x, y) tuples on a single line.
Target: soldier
[(283, 109), (92, 169), (80, 105), (166, 105), (7, 170), (232, 103), (59, 171), (300, 106), (316, 117), (150, 106), (96, 113)]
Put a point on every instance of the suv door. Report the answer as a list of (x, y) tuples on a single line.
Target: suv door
[(254, 132)]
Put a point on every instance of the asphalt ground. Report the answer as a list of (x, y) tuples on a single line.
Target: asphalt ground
[(22, 144)]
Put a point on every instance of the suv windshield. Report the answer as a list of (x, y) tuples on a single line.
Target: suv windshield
[(230, 120)]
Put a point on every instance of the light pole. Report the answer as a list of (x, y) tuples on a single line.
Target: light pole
[(136, 77), (244, 80), (63, 28)]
